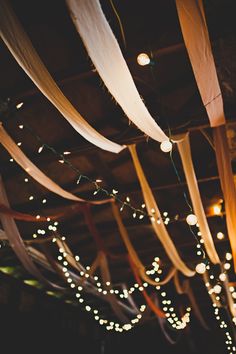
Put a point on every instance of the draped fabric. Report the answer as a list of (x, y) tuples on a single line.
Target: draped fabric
[(159, 228), (196, 37), (17, 243), (133, 254), (107, 57), (185, 154), (23, 51), (26, 217), (227, 184), (35, 172)]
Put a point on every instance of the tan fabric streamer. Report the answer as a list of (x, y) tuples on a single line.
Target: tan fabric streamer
[(227, 184), (133, 254), (196, 37), (107, 57), (160, 229), (23, 51), (35, 172), (185, 153)]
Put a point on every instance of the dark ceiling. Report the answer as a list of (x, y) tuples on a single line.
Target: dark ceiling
[(169, 90)]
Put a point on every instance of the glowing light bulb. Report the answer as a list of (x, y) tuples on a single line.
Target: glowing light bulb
[(228, 256), (19, 105), (166, 146), (220, 235), (143, 59), (227, 266), (217, 209), (200, 268), (222, 277), (217, 289), (191, 219)]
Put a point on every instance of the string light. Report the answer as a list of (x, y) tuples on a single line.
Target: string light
[(143, 59), (220, 235), (200, 268), (19, 105), (217, 209), (166, 146), (191, 219)]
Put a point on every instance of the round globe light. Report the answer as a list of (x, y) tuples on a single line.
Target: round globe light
[(217, 289), (143, 59), (200, 268), (191, 219), (166, 146)]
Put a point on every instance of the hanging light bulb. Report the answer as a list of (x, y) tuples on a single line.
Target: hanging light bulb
[(200, 268), (220, 235), (217, 209), (222, 277), (191, 219), (217, 289), (166, 146), (143, 59), (19, 105), (228, 256)]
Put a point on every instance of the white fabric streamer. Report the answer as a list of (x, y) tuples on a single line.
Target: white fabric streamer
[(23, 51), (107, 57)]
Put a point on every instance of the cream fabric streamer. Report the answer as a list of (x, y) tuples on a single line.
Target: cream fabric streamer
[(196, 37), (34, 171), (160, 229), (185, 154), (106, 55), (23, 51)]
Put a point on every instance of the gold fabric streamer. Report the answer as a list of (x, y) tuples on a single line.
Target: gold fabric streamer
[(160, 229), (227, 184), (185, 154), (23, 51), (196, 37)]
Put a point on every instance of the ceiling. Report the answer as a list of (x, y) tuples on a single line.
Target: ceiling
[(169, 90)]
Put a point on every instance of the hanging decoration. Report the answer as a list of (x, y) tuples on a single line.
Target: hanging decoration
[(107, 58), (157, 222), (23, 51), (196, 37), (17, 243), (185, 154)]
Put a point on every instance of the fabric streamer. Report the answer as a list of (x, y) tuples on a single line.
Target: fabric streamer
[(227, 184), (107, 58), (159, 228), (133, 254), (17, 244), (26, 217), (196, 37), (23, 51), (36, 173), (185, 154)]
